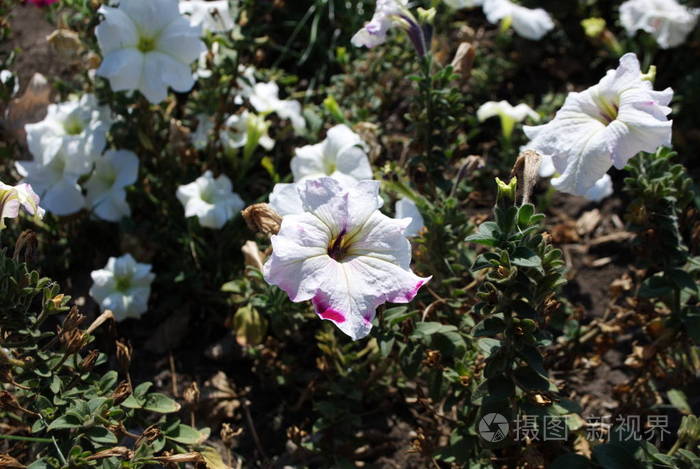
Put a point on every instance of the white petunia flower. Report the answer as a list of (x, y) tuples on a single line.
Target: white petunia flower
[(14, 197), (602, 126), (407, 209), (387, 14), (239, 129), (527, 22), (212, 16), (343, 254), (265, 99), (602, 188), (148, 46), (508, 114), (211, 200), (77, 127), (55, 179), (285, 199), (340, 156), (123, 287), (667, 20), (459, 4), (115, 170)]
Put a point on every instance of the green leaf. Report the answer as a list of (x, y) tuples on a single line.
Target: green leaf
[(613, 456), (397, 315), (679, 400), (525, 212), (185, 434), (65, 421), (160, 403), (489, 327), (487, 345), (525, 257), (101, 436), (571, 461), (530, 380), (486, 234)]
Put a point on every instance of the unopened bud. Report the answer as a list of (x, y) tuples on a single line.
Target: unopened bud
[(593, 27), (507, 191), (262, 218), (426, 16), (191, 394), (463, 61), (124, 352)]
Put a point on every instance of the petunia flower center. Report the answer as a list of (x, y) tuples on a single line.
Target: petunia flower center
[(146, 44), (123, 284), (73, 126), (207, 195), (607, 109), (338, 248)]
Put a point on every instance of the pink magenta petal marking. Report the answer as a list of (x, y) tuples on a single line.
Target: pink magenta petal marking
[(414, 291), (326, 312)]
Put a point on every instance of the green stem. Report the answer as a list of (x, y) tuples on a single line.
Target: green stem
[(26, 438)]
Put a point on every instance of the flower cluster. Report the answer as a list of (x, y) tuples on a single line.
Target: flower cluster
[(66, 145)]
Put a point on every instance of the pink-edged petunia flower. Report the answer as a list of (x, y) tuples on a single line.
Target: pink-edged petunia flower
[(343, 254), (605, 125), (14, 197)]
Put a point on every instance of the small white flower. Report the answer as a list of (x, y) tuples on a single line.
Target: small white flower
[(211, 200), (265, 99), (602, 126), (239, 129), (7, 78), (527, 22), (55, 179), (340, 155), (14, 197), (77, 127), (106, 196), (386, 15), (667, 20), (148, 46), (509, 115), (406, 208), (212, 16), (459, 4), (343, 254), (200, 137), (123, 287)]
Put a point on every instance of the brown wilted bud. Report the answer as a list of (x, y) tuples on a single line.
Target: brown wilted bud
[(252, 255), (124, 351), (149, 435), (65, 42), (8, 462), (92, 61), (121, 452), (122, 391), (463, 61), (73, 340), (432, 359), (465, 380), (25, 247), (262, 218), (73, 319), (192, 457), (526, 169), (30, 107), (88, 363), (228, 434), (9, 402), (191, 394)]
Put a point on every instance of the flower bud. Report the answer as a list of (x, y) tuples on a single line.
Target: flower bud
[(262, 218), (426, 16), (507, 191)]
